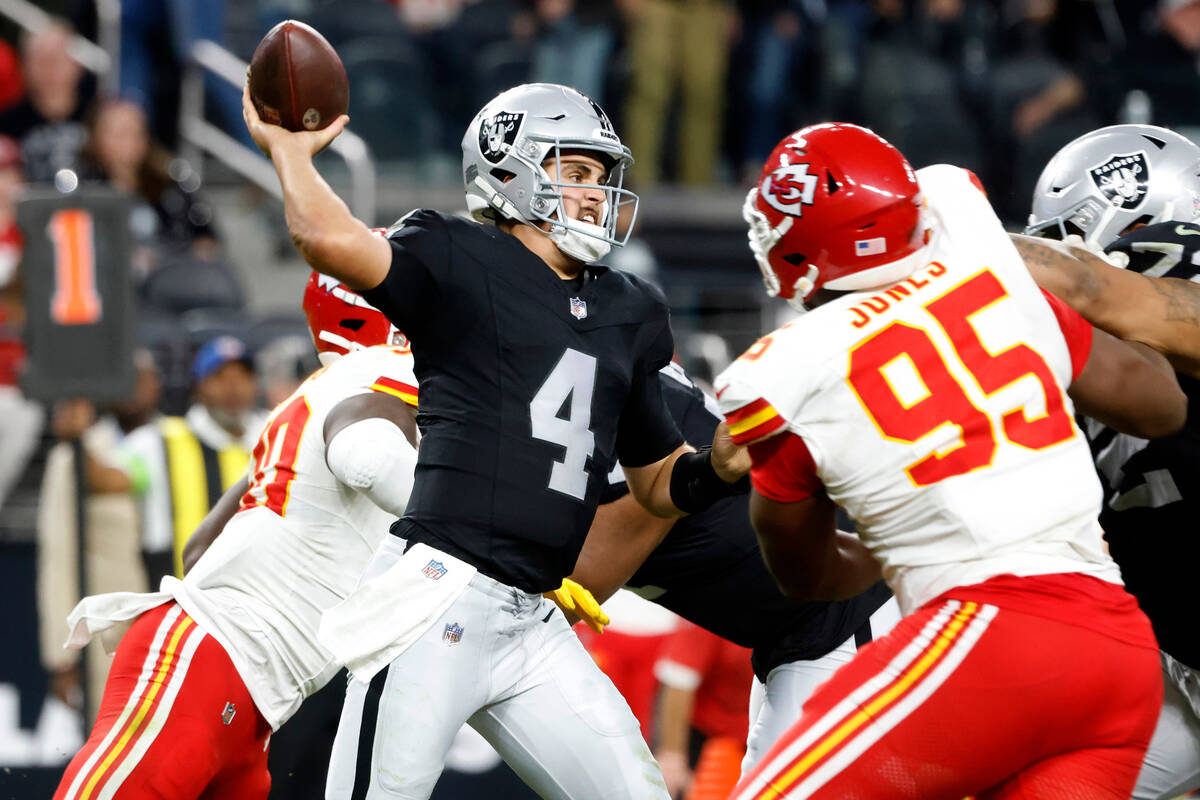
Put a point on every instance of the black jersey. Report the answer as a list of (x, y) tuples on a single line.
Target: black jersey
[(710, 571), (531, 388), (1152, 488)]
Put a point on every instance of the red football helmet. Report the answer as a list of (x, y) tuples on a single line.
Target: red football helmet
[(341, 321), (837, 207)]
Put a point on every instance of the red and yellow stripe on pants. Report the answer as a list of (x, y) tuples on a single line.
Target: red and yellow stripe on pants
[(125, 737), (823, 745)]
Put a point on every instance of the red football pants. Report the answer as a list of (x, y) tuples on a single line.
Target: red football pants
[(175, 723), (965, 698)]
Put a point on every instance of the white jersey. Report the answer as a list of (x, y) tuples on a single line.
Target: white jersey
[(297, 544), (935, 413)]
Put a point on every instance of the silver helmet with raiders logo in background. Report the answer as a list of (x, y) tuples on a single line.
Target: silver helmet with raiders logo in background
[(1113, 179), (513, 136)]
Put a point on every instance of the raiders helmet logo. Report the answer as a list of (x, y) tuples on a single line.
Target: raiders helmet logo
[(789, 188), (1123, 179), (498, 131)]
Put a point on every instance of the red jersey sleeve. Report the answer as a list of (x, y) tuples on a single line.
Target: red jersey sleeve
[(1075, 329), (405, 391), (783, 470)]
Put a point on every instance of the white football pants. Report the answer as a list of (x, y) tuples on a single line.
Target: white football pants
[(505, 662), (1172, 764), (776, 706)]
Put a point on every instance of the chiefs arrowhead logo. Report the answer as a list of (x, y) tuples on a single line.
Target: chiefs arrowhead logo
[(789, 188)]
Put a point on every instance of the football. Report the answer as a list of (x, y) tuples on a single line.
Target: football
[(297, 80)]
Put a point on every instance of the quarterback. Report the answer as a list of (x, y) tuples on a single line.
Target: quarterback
[(538, 371), (926, 394), (214, 662)]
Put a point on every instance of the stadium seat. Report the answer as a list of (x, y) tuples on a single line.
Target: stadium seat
[(189, 283), (389, 98), (498, 66)]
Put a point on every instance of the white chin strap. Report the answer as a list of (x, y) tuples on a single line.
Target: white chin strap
[(325, 357), (582, 241)]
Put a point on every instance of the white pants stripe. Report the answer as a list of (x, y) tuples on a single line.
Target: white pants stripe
[(775, 706), (877, 729), (135, 699), (954, 655), (187, 648)]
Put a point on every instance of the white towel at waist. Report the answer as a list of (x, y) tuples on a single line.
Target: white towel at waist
[(381, 618), (109, 615)]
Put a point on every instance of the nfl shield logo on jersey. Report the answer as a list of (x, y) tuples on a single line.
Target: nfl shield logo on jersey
[(578, 308), (434, 570), (453, 633)]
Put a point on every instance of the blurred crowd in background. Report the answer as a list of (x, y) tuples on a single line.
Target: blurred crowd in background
[(699, 89)]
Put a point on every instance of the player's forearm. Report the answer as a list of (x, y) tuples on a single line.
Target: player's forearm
[(1071, 274), (213, 523), (622, 535), (1176, 331), (674, 719), (651, 485), (836, 568), (327, 235), (1164, 313)]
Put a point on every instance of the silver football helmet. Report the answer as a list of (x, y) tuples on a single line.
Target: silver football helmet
[(509, 140), (1106, 180)]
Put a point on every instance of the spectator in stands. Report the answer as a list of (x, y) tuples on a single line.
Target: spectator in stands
[(1157, 52), (21, 419), (189, 461), (12, 183), (170, 214), (283, 364), (112, 547), (49, 121), (574, 44), (12, 84), (702, 713), (914, 79), (776, 34), (677, 46), (157, 37), (1038, 96)]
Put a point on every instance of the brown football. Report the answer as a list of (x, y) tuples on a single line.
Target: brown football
[(296, 78)]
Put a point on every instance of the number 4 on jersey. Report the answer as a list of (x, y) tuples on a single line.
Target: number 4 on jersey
[(573, 376)]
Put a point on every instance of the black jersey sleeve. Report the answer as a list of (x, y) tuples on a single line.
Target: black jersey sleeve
[(646, 431), (1164, 250), (411, 292)]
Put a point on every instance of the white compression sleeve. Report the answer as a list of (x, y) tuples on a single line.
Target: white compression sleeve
[(374, 456)]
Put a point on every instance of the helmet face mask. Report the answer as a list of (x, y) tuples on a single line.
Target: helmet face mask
[(1110, 180), (505, 150), (836, 207), (341, 321)]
